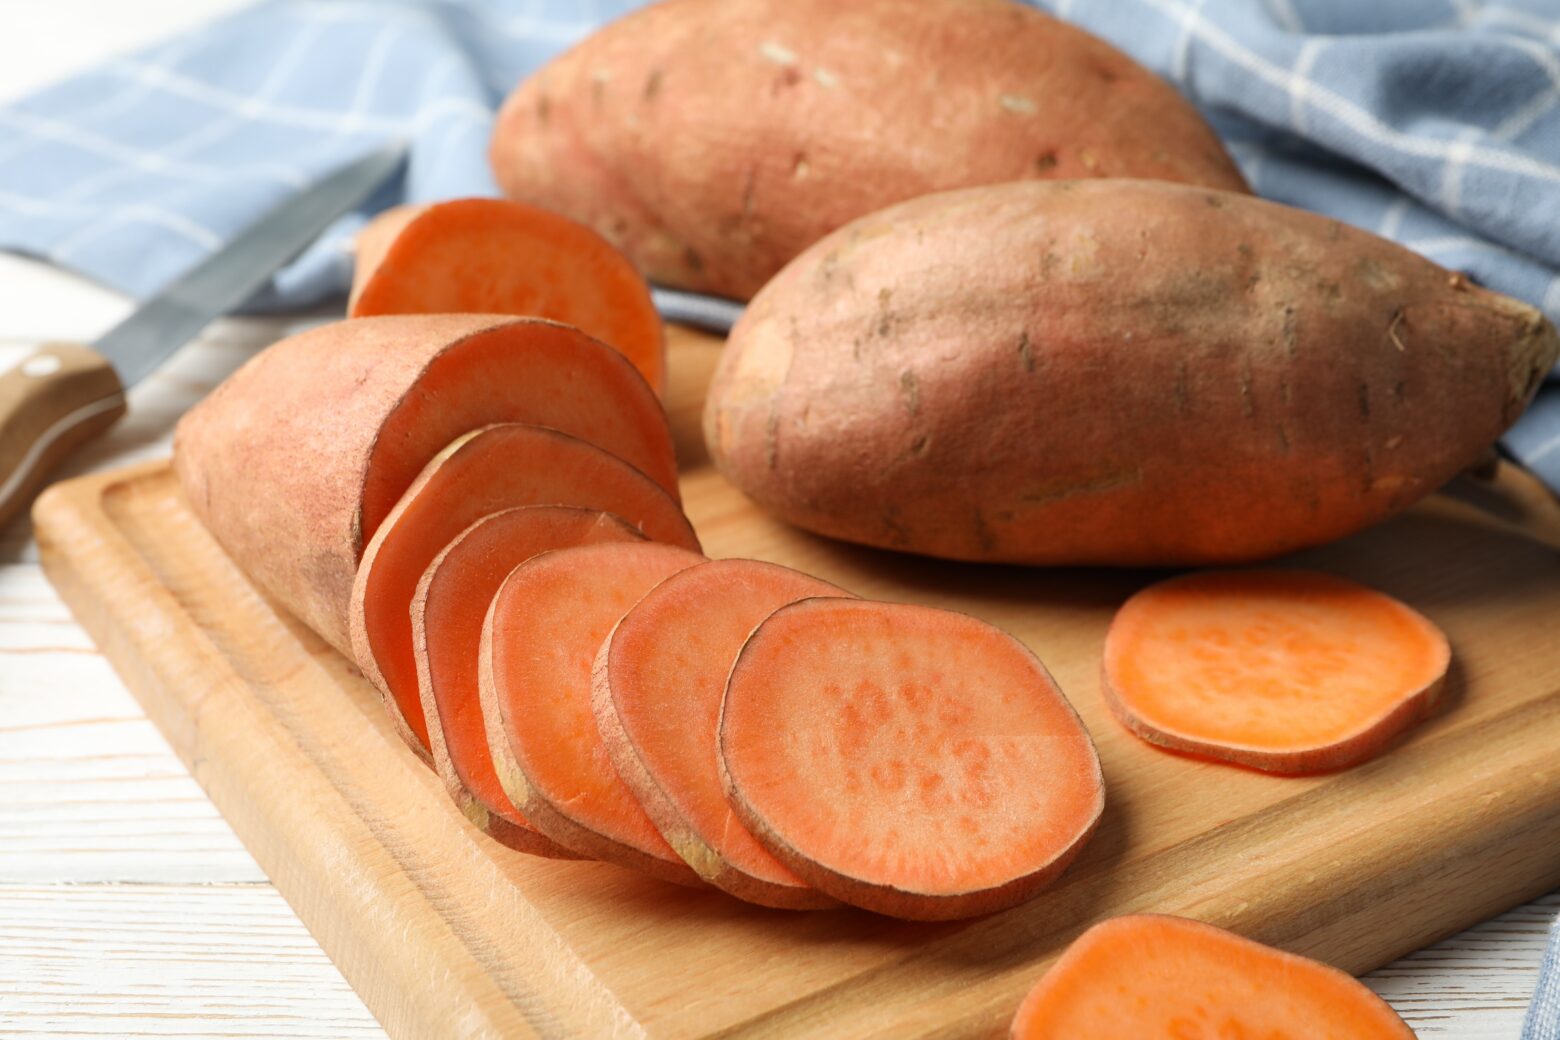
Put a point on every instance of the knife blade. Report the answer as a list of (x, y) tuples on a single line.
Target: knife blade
[(64, 394)]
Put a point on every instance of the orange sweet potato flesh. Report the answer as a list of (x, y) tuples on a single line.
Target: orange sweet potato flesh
[(1152, 976), (494, 256), (539, 640), (499, 467), (1112, 372), (1281, 670), (912, 761), (713, 141), (657, 689), (294, 461), (447, 612)]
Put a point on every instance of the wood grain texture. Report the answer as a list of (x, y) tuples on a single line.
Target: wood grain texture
[(429, 919), (114, 960), (1464, 988)]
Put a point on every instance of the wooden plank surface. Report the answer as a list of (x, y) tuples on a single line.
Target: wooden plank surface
[(425, 915)]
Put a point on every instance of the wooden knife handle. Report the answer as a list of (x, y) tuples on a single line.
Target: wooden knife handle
[(51, 404)]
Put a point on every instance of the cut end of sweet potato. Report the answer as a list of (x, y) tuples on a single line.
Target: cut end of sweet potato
[(494, 256), (657, 689), (488, 470), (912, 761), (295, 460), (524, 371), (1149, 975), (539, 642), (447, 612), (1280, 670)]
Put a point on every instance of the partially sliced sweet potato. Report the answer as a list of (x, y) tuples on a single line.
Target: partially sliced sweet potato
[(656, 690), (447, 612), (1149, 975), (294, 461), (494, 256), (912, 761), (538, 643), (499, 467), (1281, 670)]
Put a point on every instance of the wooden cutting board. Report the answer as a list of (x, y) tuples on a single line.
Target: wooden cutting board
[(445, 933)]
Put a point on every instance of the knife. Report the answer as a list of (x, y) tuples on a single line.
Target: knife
[(65, 394)]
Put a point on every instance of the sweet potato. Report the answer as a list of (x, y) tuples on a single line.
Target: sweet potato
[(1149, 975), (491, 256), (911, 761), (297, 457), (447, 612), (498, 467), (657, 687), (713, 141), (1112, 372), (1285, 671), (539, 640)]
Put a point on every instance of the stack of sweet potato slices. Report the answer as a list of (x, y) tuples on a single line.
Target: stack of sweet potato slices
[(483, 512)]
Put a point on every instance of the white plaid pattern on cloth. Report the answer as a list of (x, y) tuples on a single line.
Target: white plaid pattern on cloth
[(1432, 122)]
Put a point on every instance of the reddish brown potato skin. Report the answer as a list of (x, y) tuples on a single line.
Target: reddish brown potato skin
[(1130, 373), (713, 141), (277, 457)]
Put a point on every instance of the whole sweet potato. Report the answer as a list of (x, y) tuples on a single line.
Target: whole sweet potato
[(713, 140), (1121, 372)]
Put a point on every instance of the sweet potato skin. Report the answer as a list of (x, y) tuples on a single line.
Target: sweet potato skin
[(1125, 372), (713, 141), (279, 456)]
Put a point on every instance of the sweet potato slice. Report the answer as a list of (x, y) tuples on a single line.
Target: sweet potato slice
[(447, 612), (1281, 670), (493, 256), (1149, 975), (495, 468), (911, 761), (539, 640), (294, 461), (656, 690)]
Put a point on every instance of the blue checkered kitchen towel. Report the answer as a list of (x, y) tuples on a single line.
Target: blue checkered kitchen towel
[(1432, 122)]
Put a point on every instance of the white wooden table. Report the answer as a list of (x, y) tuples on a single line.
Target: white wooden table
[(127, 905)]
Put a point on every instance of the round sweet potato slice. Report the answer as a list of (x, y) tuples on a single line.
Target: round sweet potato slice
[(1282, 670), (539, 640), (495, 256), (657, 687), (447, 612), (499, 467), (912, 761), (1150, 975)]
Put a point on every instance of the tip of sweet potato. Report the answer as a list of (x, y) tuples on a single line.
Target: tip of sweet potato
[(1534, 351)]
